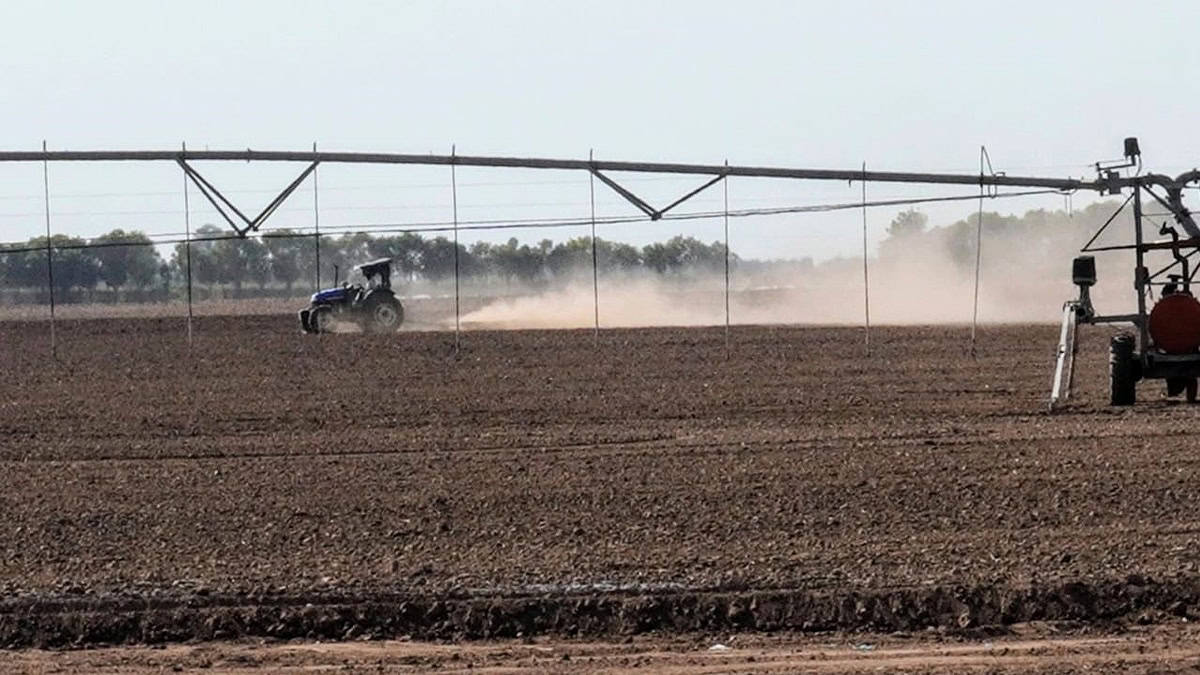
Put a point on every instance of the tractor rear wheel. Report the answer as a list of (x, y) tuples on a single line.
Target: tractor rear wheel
[(384, 315), (1122, 370)]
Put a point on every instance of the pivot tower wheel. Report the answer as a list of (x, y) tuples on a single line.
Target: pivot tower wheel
[(1122, 370), (1182, 385)]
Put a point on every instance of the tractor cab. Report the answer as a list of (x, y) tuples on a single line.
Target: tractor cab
[(380, 269)]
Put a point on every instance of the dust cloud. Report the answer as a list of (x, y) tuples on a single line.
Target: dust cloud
[(897, 297), (1020, 281)]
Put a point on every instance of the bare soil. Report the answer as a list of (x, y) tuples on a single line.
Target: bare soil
[(265, 484)]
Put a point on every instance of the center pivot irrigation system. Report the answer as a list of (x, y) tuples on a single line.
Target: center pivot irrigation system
[(1165, 344)]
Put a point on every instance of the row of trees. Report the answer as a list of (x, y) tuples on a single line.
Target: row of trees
[(129, 260), (118, 259), (1038, 236)]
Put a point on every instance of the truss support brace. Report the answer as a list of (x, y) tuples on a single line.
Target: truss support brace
[(225, 207), (653, 213), (1174, 204)]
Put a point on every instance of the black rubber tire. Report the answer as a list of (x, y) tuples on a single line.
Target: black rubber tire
[(384, 314), (320, 319), (1190, 390), (1122, 370)]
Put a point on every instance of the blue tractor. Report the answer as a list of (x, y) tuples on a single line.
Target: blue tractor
[(373, 307)]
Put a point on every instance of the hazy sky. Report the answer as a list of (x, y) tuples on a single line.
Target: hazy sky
[(1048, 87)]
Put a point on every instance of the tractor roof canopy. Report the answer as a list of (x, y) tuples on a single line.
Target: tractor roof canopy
[(381, 267)]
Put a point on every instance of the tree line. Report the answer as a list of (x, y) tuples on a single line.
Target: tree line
[(1039, 237), (129, 260)]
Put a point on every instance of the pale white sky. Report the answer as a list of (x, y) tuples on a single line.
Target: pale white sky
[(1049, 87)]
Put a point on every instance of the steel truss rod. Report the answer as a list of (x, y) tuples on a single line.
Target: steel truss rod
[(1174, 204), (998, 180), (653, 213), (220, 202), (693, 193), (1149, 246), (1175, 263), (1087, 247), (629, 196)]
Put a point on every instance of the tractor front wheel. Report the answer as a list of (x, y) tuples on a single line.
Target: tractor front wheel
[(320, 319)]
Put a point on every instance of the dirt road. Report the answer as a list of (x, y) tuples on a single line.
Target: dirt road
[(1030, 649)]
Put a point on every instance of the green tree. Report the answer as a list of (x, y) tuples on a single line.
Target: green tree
[(522, 262), (681, 253), (405, 251), (483, 256), (574, 256), (285, 250), (75, 266), (119, 265), (616, 256), (658, 257), (570, 257), (909, 223), (204, 259), (23, 269), (241, 259), (345, 252), (437, 262)]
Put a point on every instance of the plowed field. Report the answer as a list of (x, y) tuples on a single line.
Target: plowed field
[(266, 483)]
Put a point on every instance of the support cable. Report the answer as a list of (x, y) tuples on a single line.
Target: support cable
[(417, 227)]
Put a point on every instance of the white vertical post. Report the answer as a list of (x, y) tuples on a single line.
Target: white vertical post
[(187, 247), (49, 254), (316, 226), (978, 253), (454, 206), (725, 186), (866, 275), (595, 273)]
